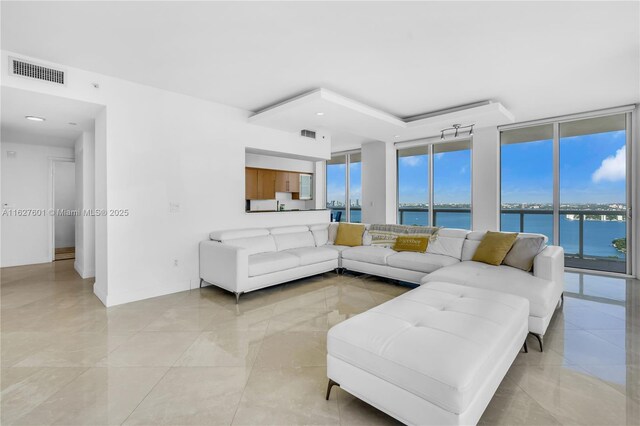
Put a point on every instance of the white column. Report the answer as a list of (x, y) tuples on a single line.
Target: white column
[(486, 179)]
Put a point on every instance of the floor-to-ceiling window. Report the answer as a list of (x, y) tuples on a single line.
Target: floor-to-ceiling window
[(569, 179), (452, 184), (355, 187), (344, 187), (526, 171), (437, 175)]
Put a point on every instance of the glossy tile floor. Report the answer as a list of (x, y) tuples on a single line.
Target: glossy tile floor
[(197, 358)]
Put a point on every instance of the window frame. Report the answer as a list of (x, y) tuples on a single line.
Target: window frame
[(347, 163), (631, 231), (430, 144)]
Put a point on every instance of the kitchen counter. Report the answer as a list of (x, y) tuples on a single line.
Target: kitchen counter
[(285, 211)]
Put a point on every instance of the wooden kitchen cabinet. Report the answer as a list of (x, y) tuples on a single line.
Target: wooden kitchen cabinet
[(251, 183), (266, 184), (287, 181)]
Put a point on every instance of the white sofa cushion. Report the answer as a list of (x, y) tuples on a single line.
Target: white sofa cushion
[(296, 240), (320, 233), (266, 263), (448, 242), (311, 255), (422, 262), (232, 234), (439, 342), (254, 245), (542, 294), (369, 254)]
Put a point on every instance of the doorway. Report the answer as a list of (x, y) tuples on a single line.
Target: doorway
[(64, 205)]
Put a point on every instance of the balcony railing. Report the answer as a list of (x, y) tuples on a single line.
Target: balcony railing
[(584, 248), (576, 253)]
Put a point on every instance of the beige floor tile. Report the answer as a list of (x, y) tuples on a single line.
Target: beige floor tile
[(571, 395), (75, 350), (303, 319), (16, 346), (582, 347), (244, 318), (193, 395), (293, 349), (223, 348), (23, 389), (99, 396), (512, 406), (151, 349), (287, 396), (187, 319)]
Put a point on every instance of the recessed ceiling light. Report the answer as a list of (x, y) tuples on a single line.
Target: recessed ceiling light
[(396, 136), (319, 113), (71, 123), (34, 118)]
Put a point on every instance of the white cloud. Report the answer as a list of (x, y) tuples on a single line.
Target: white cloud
[(613, 168), (411, 161)]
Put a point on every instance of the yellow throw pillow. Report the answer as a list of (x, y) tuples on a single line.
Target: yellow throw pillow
[(349, 234), (410, 243), (494, 247)]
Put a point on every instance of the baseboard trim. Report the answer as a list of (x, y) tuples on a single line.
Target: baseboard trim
[(147, 293)]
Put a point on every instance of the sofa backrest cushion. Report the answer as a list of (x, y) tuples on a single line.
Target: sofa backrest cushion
[(253, 245), (333, 231), (448, 242), (290, 237), (320, 233)]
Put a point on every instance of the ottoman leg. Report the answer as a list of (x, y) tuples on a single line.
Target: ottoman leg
[(540, 340), (329, 386)]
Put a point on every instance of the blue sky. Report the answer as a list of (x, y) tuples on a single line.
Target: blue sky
[(336, 182), (591, 171)]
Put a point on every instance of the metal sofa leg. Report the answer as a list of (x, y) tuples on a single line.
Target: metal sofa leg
[(525, 348), (201, 281), (237, 296), (540, 340), (329, 386)]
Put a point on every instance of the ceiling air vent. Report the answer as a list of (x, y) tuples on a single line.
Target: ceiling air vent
[(39, 72), (308, 134)]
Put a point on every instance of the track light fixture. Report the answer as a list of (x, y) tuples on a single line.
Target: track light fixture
[(456, 128)]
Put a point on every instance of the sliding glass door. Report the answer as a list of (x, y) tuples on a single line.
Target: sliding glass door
[(344, 187), (434, 184), (526, 175), (593, 192), (570, 180)]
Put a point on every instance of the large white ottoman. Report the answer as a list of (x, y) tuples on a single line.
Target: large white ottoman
[(433, 356)]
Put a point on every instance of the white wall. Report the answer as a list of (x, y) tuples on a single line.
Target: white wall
[(64, 190), (85, 201), (26, 184), (379, 177), (153, 148)]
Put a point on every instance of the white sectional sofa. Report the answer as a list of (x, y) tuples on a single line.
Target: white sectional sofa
[(250, 259), (244, 260)]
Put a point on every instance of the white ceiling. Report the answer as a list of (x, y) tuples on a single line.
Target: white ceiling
[(538, 59), (16, 104), (352, 123)]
